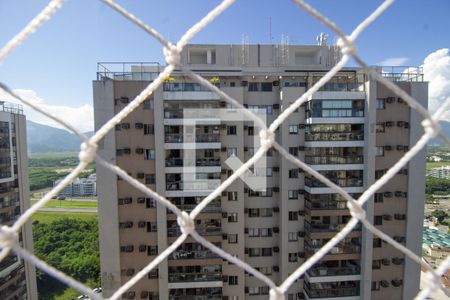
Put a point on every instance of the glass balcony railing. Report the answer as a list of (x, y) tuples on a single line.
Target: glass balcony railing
[(324, 205), (186, 87), (334, 136), (342, 87), (192, 254), (202, 185), (199, 112), (202, 230), (198, 162), (197, 297), (333, 271), (322, 227), (328, 160), (211, 208), (195, 277), (342, 182), (338, 249), (198, 138), (331, 292)]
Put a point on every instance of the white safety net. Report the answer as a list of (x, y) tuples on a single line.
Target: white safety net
[(9, 234)]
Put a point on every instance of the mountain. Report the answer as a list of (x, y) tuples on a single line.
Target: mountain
[(43, 138), (445, 125)]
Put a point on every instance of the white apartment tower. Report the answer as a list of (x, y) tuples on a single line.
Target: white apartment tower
[(352, 131), (17, 277)]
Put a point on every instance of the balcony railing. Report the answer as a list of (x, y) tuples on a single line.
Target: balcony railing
[(193, 254), (201, 229), (333, 271), (201, 185), (198, 138), (335, 113), (342, 87), (331, 292), (324, 205), (320, 227), (195, 277), (338, 249), (211, 208), (330, 160), (342, 182), (196, 297), (198, 162), (200, 112), (334, 136)]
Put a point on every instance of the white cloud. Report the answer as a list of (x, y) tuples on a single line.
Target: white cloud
[(82, 117), (393, 61), (436, 69)]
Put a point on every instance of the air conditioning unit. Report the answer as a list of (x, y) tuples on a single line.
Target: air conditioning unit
[(406, 125), (139, 150), (127, 150), (124, 100), (276, 106), (400, 147), (387, 194), (140, 175), (387, 217), (142, 248), (276, 269), (389, 124), (276, 169), (223, 104), (301, 148), (138, 125), (276, 230), (301, 126), (400, 100), (390, 99), (141, 224), (275, 189), (276, 249), (388, 148), (276, 209), (244, 83), (276, 83)]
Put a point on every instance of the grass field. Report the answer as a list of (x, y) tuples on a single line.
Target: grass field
[(53, 155), (66, 203), (437, 164), (47, 217)]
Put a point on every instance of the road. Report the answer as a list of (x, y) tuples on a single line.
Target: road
[(69, 209)]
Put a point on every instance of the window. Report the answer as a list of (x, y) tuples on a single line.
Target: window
[(231, 152), (266, 212), (266, 86), (148, 104), (379, 173), (232, 217), (266, 270), (381, 104), (380, 127), (379, 151), (231, 130), (375, 285), (292, 236), (293, 173), (269, 109), (266, 251), (293, 194), (151, 227), (265, 232), (150, 203), (252, 86), (152, 250), (293, 216), (232, 238), (378, 220), (149, 154), (253, 212), (232, 196), (293, 129), (378, 198), (251, 130), (377, 243), (254, 252), (292, 257), (150, 179), (253, 232), (376, 264), (232, 280), (293, 151), (149, 129)]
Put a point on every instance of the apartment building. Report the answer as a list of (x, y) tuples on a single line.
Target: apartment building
[(439, 172), (351, 131), (17, 277), (80, 187)]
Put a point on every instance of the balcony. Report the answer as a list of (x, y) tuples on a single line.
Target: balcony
[(197, 297), (198, 138), (213, 207), (197, 185), (198, 162), (210, 227), (341, 248), (323, 227), (214, 293), (195, 277), (332, 160), (187, 91), (192, 254), (334, 271), (332, 289), (325, 205)]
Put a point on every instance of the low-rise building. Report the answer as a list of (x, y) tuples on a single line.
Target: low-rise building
[(80, 187)]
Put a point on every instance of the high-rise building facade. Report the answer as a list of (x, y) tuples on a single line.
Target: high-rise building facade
[(351, 131), (17, 277)]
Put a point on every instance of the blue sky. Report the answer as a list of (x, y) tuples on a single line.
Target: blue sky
[(58, 62)]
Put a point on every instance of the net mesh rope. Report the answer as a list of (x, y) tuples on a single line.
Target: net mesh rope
[(9, 234)]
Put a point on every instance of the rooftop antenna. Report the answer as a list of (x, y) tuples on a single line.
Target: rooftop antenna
[(270, 30), (322, 39)]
